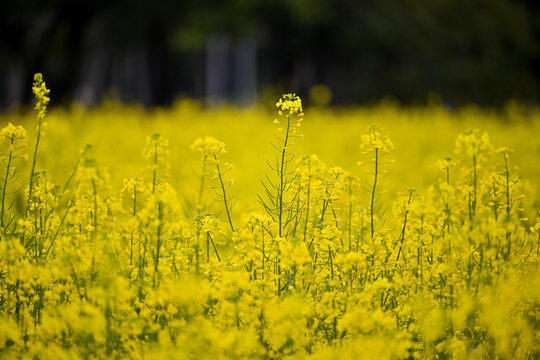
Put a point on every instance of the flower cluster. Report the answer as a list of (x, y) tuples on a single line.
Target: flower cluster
[(209, 148), (290, 104), (374, 139), (42, 96)]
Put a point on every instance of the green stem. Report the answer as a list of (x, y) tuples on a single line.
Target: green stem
[(154, 174), (4, 189), (34, 159), (132, 231), (308, 199), (159, 230), (213, 245), (70, 204), (403, 230), (201, 189), (282, 176), (224, 194), (95, 208), (507, 176), (373, 190)]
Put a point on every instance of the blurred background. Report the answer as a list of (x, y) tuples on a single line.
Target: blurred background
[(242, 51)]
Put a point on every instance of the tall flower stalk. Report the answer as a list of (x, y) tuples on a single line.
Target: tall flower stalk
[(378, 144), (15, 138), (212, 151), (42, 100), (278, 204)]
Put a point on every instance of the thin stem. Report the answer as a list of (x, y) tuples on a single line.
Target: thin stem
[(447, 202), (213, 245), (95, 208), (507, 178), (34, 159), (36, 227), (154, 174), (227, 210), (495, 202), (331, 263), (264, 255), (307, 200), (60, 225), (132, 231), (4, 188), (159, 230), (207, 247), (403, 230), (373, 190), (201, 189), (282, 175), (297, 217)]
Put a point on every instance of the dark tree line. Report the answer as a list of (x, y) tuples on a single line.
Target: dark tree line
[(485, 51)]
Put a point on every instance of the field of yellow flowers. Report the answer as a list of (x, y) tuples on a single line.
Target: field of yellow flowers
[(149, 243)]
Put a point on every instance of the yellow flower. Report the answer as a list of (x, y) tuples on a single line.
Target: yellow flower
[(42, 96), (291, 104), (446, 163), (209, 147), (373, 140), (13, 132)]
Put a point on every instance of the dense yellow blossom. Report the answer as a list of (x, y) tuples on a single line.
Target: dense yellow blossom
[(114, 257)]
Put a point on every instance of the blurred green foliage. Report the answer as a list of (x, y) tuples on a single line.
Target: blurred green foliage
[(484, 51)]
